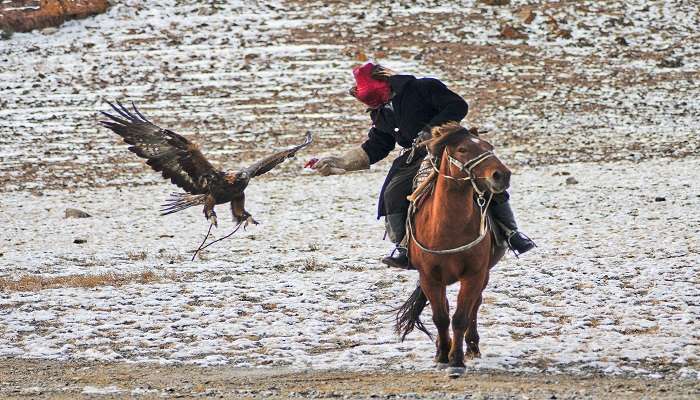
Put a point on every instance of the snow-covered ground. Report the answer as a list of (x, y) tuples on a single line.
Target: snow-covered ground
[(245, 76), (613, 286)]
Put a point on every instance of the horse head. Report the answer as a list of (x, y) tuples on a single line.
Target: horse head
[(468, 157)]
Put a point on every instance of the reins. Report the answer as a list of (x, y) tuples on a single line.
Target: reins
[(480, 201)]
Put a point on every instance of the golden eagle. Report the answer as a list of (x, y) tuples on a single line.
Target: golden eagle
[(181, 161)]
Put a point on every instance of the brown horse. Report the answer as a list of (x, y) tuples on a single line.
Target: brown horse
[(452, 242)]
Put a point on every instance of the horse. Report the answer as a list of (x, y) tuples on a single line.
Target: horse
[(451, 242)]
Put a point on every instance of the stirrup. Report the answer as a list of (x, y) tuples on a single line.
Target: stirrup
[(516, 253)]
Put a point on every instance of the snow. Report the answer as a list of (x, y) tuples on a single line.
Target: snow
[(612, 286), (243, 77)]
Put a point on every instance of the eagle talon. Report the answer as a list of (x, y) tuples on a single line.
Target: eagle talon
[(250, 220), (212, 219)]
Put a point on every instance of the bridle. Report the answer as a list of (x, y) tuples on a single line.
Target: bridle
[(467, 167), (483, 203)]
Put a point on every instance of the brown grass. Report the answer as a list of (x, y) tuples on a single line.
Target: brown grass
[(32, 283), (22, 16)]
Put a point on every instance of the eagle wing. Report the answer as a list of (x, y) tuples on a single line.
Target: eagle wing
[(177, 158), (270, 162)]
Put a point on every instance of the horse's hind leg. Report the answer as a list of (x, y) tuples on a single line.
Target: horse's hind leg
[(469, 294), (437, 296)]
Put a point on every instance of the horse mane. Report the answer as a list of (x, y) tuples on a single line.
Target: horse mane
[(445, 135)]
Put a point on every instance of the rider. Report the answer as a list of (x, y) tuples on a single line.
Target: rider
[(403, 108)]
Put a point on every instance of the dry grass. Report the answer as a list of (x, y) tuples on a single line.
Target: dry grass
[(32, 283), (641, 331), (137, 255)]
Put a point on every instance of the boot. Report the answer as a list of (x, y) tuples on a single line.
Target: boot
[(398, 258), (396, 230), (517, 241)]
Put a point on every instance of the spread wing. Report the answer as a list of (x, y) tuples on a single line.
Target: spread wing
[(270, 162), (177, 158)]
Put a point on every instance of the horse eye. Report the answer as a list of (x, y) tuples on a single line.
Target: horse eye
[(461, 149)]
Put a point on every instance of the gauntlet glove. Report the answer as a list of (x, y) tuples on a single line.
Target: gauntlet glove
[(353, 160)]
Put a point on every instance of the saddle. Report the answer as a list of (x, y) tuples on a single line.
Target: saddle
[(423, 186)]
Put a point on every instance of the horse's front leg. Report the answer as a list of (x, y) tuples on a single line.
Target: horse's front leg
[(472, 337), (469, 294), (437, 296)]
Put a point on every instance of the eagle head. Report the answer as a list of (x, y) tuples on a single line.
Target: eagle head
[(237, 176)]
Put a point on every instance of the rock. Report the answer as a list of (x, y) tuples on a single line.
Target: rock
[(49, 31), (659, 198), (563, 33), (556, 31), (621, 41), (510, 33), (571, 180), (79, 241), (75, 213), (526, 15), (670, 63), (227, 278)]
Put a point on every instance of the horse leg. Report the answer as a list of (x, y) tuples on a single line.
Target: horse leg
[(469, 293), (437, 296), (472, 337)]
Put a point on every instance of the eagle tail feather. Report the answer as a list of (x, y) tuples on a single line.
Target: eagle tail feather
[(180, 201)]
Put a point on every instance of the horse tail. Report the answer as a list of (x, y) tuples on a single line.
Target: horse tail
[(408, 315)]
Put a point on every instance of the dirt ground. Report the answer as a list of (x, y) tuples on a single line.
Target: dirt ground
[(66, 380)]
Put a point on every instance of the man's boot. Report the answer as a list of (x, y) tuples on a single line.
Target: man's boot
[(517, 241), (396, 230)]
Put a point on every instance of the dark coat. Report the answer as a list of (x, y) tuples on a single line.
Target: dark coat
[(417, 104)]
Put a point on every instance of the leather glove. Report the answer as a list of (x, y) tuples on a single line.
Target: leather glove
[(423, 135), (353, 160)]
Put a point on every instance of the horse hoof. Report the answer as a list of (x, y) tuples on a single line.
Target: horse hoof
[(441, 366), (455, 372)]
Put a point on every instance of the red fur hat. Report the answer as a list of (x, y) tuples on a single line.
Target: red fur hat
[(370, 91)]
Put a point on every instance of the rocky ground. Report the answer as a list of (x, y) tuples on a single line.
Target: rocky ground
[(96, 380), (592, 104)]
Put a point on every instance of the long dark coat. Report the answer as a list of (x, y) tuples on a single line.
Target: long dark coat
[(417, 104)]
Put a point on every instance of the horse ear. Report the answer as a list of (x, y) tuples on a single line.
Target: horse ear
[(474, 131)]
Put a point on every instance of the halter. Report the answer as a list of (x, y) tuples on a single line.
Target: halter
[(467, 167), (483, 204)]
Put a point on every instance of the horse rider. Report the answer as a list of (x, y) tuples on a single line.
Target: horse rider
[(403, 109)]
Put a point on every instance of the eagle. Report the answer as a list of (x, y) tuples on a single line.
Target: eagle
[(181, 160)]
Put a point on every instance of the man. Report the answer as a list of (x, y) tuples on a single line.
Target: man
[(403, 109)]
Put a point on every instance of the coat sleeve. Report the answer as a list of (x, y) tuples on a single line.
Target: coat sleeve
[(449, 105), (378, 145)]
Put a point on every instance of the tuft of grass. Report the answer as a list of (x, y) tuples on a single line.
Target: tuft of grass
[(312, 264), (33, 283), (314, 246), (137, 255)]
